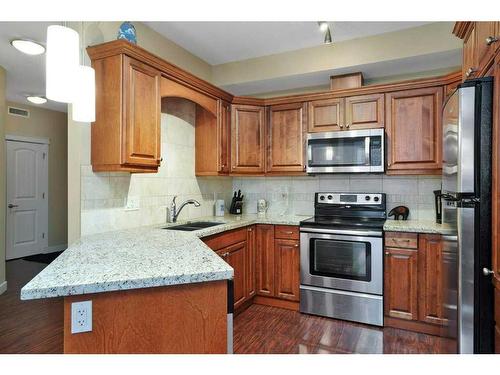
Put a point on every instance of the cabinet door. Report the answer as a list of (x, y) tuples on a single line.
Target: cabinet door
[(400, 283), (287, 271), (236, 256), (247, 139), (141, 138), (364, 111), (326, 115), (414, 131), (224, 134), (485, 33), (286, 134), (430, 279), (251, 285), (265, 259), (469, 60)]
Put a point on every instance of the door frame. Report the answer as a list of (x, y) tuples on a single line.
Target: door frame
[(40, 141)]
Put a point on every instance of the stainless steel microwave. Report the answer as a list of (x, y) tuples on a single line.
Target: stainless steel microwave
[(354, 151)]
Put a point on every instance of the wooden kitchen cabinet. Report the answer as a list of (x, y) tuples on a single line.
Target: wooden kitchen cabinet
[(486, 43), (413, 282), (212, 140), (430, 279), (286, 131), (126, 133), (287, 269), (469, 59), (364, 112), (236, 256), (326, 115), (251, 286), (264, 245), (400, 283), (413, 128), (247, 139)]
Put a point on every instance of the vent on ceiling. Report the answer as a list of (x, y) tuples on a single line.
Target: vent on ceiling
[(13, 111)]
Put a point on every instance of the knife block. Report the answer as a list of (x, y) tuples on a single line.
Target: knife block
[(236, 207)]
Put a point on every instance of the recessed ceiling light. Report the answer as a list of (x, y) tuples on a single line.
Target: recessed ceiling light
[(36, 99), (323, 25), (28, 46)]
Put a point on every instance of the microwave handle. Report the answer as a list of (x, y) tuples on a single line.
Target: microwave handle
[(367, 150)]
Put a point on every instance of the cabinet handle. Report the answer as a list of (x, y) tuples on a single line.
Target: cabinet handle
[(400, 239), (341, 126), (347, 125), (288, 232), (387, 253), (296, 245), (469, 72), (487, 272), (225, 255), (249, 229), (491, 39), (305, 167)]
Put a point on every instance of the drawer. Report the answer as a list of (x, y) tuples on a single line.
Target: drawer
[(401, 239), (225, 239), (286, 232)]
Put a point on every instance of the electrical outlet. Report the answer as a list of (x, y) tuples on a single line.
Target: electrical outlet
[(81, 317), (133, 203)]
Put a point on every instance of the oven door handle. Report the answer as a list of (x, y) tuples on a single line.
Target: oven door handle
[(343, 231)]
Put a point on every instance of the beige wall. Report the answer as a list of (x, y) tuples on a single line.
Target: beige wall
[(2, 178), (45, 123), (418, 41)]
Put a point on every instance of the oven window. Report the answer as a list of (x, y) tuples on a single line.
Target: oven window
[(337, 152), (341, 259)]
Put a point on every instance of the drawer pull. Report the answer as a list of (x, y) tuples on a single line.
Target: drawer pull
[(387, 253), (469, 72), (401, 239), (225, 255), (490, 40), (288, 232)]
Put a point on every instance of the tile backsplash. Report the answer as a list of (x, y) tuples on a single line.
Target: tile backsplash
[(112, 201), (295, 195), (105, 195)]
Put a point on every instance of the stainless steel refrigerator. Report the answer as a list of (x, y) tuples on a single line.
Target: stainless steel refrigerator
[(467, 285)]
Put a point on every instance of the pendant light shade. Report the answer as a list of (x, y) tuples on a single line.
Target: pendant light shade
[(84, 102), (62, 63)]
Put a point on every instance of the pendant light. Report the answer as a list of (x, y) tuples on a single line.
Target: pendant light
[(62, 63), (84, 102)]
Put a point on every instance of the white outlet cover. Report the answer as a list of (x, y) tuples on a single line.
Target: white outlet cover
[(81, 317), (133, 203)]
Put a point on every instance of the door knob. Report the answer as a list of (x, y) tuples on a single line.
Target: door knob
[(487, 271), (12, 205), (490, 40)]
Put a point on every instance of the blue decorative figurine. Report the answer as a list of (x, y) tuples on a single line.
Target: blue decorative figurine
[(127, 32)]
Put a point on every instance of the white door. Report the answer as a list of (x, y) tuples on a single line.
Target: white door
[(27, 208)]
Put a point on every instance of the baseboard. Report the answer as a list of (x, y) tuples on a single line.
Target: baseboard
[(275, 302), (3, 287), (54, 248)]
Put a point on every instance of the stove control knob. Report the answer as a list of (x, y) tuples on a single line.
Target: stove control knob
[(376, 199), (321, 197), (367, 198), (330, 197)]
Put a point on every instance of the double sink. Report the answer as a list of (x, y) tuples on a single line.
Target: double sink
[(195, 225)]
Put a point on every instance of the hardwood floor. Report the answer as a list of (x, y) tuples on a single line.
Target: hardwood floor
[(263, 329), (29, 326), (37, 327)]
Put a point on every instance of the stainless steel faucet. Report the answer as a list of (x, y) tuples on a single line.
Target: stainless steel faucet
[(173, 212)]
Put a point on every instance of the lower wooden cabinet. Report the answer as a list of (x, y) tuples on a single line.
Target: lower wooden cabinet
[(237, 257), (413, 281), (287, 269)]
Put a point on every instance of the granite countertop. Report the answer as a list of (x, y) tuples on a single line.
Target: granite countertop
[(140, 258), (416, 226)]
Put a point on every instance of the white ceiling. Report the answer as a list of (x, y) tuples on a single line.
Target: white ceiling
[(222, 42), (25, 73)]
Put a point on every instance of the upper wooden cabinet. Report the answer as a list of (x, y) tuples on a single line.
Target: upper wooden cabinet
[(326, 115), (212, 140), (413, 128), (364, 111), (247, 139), (469, 64), (354, 112), (286, 138), (126, 133)]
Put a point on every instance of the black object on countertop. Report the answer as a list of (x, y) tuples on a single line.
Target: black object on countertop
[(399, 211), (236, 207)]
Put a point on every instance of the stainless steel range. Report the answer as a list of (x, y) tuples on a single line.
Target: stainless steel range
[(341, 257)]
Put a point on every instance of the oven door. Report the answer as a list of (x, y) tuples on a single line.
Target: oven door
[(344, 260), (346, 151)]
